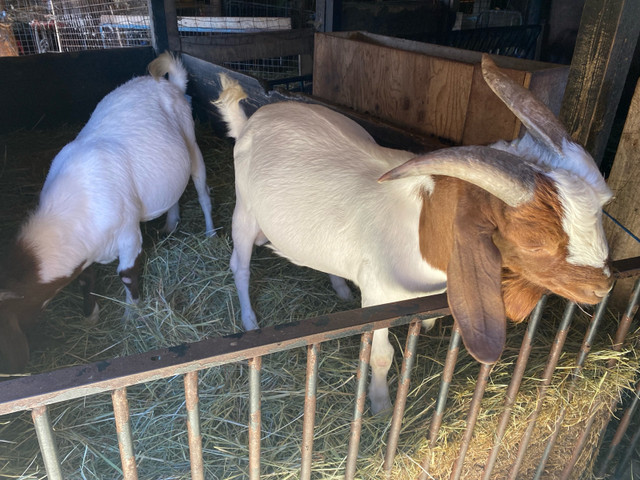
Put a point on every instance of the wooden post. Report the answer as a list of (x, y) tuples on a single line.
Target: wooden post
[(625, 206), (164, 25), (329, 13), (606, 40)]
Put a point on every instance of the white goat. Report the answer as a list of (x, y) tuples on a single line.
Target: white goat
[(130, 163), (496, 226)]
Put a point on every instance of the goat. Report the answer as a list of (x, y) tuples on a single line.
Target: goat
[(496, 226), (130, 163)]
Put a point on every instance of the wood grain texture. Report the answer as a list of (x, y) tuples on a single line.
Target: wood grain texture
[(623, 180), (425, 88), (249, 46), (606, 40)]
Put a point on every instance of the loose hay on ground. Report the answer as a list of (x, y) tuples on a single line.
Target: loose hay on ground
[(189, 294)]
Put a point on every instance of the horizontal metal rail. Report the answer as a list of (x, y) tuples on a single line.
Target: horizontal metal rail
[(25, 393)]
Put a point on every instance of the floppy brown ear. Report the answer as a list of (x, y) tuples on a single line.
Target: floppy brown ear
[(474, 284)]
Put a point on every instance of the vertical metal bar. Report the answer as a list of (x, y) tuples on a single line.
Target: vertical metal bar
[(554, 356), (621, 334), (255, 417), (577, 370), (631, 449), (123, 429), (361, 395), (193, 425), (620, 431), (47, 443), (438, 414), (472, 416), (309, 410), (401, 396), (514, 385)]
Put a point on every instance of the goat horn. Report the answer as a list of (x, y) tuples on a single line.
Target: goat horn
[(541, 123), (500, 173)]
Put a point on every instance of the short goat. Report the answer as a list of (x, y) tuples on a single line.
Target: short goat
[(130, 163), (496, 226)]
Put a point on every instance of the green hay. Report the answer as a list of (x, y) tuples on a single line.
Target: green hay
[(188, 294)]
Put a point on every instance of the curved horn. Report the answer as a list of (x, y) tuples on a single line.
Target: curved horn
[(500, 173), (541, 123)]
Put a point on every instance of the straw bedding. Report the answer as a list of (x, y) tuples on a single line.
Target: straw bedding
[(189, 294)]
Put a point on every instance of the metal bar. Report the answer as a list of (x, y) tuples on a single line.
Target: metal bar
[(620, 431), (514, 385), (125, 437), (577, 370), (631, 449), (255, 418), (438, 414), (74, 382), (401, 396), (193, 425), (310, 401), (554, 356), (47, 443), (621, 334), (472, 417), (361, 395)]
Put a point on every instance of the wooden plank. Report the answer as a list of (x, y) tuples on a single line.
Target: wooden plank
[(623, 180), (249, 46), (204, 87), (426, 88), (606, 39), (381, 81), (503, 125), (213, 24), (625, 206)]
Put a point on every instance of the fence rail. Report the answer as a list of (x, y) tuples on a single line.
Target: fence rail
[(35, 392)]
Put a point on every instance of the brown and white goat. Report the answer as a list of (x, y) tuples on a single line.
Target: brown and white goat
[(130, 163), (496, 226)]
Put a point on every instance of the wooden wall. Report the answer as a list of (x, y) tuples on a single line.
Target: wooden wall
[(426, 88)]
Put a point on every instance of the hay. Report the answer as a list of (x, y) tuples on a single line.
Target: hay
[(189, 294)]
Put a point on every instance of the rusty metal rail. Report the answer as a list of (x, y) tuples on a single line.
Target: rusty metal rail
[(36, 392)]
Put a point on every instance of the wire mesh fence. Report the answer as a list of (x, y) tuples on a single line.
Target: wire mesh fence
[(30, 27), (36, 26)]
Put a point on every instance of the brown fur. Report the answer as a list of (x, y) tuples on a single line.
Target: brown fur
[(19, 315), (530, 238)]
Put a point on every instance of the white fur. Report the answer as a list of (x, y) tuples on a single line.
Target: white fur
[(130, 163), (306, 180), (582, 192), (374, 242)]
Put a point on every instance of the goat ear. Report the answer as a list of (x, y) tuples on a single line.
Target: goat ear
[(474, 285)]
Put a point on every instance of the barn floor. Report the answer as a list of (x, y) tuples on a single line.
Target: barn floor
[(188, 295)]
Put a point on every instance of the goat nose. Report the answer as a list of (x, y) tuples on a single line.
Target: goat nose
[(603, 292)]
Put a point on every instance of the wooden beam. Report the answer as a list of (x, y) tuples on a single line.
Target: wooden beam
[(164, 25), (249, 46), (607, 37), (625, 206)]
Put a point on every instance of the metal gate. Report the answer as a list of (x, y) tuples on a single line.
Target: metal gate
[(36, 393)]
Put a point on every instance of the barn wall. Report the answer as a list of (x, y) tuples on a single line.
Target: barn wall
[(43, 91)]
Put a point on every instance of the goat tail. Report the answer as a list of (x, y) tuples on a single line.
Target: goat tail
[(166, 63), (228, 103)]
